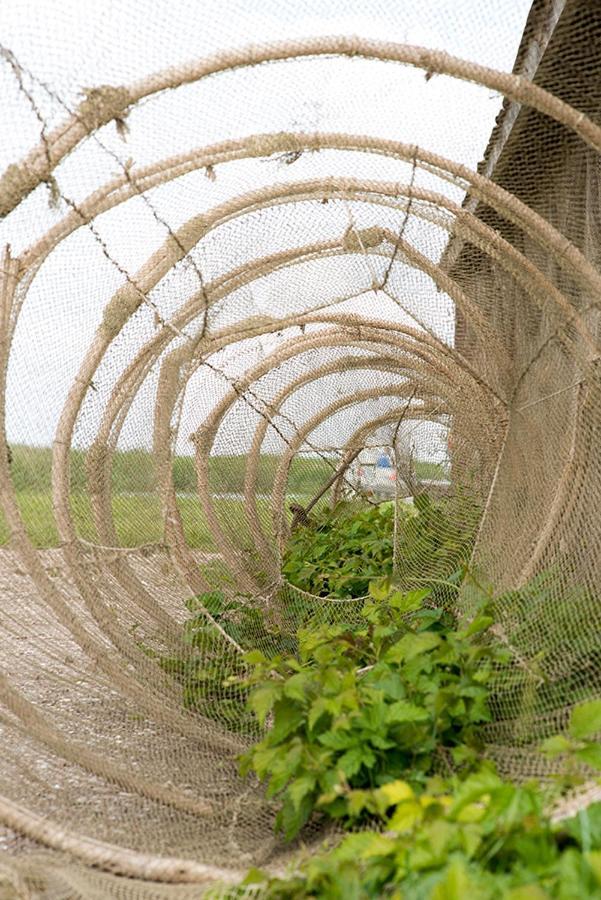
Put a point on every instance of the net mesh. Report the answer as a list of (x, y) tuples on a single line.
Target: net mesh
[(245, 256)]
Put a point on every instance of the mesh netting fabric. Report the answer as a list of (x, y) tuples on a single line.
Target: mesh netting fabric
[(241, 251)]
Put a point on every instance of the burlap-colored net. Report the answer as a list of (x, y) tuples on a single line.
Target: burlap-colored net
[(222, 285)]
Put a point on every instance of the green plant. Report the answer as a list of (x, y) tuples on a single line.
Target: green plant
[(341, 551), (579, 746), (207, 673), (474, 838), (436, 541), (398, 696)]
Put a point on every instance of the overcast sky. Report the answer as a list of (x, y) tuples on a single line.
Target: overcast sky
[(67, 45)]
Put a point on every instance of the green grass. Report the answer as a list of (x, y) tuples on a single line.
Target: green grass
[(137, 519), (133, 472), (136, 509), (433, 470)]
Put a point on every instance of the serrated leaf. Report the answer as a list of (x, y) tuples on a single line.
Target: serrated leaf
[(376, 740), (379, 588), (262, 699), (586, 719), (395, 792), (456, 885), (351, 761), (319, 708), (403, 711), (287, 718), (291, 819), (377, 845), (296, 686), (300, 788), (556, 745), (412, 645), (357, 801), (410, 601), (471, 813), (338, 740), (406, 816), (591, 755), (475, 787)]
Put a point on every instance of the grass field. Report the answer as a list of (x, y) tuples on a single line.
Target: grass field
[(133, 471), (137, 519), (136, 509)]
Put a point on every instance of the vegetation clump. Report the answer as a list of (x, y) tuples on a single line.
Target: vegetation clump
[(362, 706), (376, 728), (343, 549), (370, 724)]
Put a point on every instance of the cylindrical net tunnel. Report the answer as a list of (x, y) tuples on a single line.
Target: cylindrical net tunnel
[(245, 253)]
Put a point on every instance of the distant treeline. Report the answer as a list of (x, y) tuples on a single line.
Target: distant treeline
[(133, 472)]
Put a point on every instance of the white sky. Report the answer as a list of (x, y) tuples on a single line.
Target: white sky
[(71, 44)]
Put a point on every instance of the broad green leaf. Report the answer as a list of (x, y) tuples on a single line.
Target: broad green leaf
[(287, 718), (299, 789), (379, 588), (406, 816), (291, 819), (357, 801), (441, 836), (412, 645), (377, 845), (476, 786), (586, 719), (403, 711), (261, 759), (338, 740), (296, 686), (479, 624), (354, 846), (556, 745), (456, 885), (254, 657), (255, 876), (320, 707), (591, 755), (263, 698), (351, 761), (395, 792), (409, 602), (471, 813), (376, 740)]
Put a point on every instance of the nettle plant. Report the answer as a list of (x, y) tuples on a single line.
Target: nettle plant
[(460, 838), (399, 696), (376, 727)]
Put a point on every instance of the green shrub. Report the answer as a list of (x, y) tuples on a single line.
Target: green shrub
[(379, 725), (479, 838), (341, 551), (208, 674), (396, 697)]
